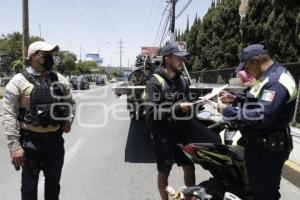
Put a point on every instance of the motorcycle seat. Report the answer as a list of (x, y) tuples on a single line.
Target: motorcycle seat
[(238, 152)]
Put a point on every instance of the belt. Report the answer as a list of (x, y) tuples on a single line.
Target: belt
[(278, 141), (31, 135)]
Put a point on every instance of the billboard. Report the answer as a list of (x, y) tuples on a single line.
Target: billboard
[(149, 51)]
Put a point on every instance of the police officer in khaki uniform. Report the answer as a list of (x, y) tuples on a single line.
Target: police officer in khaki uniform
[(38, 108)]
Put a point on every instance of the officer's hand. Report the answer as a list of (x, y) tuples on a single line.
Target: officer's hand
[(221, 107), (17, 157), (66, 127), (185, 107), (227, 97)]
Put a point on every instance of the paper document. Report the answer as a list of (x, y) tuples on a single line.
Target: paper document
[(215, 91)]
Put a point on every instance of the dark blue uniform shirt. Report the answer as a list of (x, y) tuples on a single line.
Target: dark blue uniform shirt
[(266, 107)]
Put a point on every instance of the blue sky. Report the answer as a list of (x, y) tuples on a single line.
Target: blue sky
[(97, 25)]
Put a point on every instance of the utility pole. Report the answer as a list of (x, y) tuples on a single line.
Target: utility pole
[(172, 24), (121, 52), (25, 35), (80, 53)]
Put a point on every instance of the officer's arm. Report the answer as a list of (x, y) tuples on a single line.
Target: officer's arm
[(68, 96), (266, 109), (11, 105), (71, 101)]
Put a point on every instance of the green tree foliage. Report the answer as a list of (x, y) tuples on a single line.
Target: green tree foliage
[(253, 25), (116, 72), (11, 50), (18, 66), (85, 67), (191, 44), (276, 23), (216, 41), (218, 36), (298, 28), (66, 63), (280, 30)]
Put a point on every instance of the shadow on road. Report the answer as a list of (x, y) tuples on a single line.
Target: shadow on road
[(139, 146)]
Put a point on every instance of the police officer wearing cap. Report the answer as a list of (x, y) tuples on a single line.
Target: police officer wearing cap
[(169, 114), (38, 108), (263, 113)]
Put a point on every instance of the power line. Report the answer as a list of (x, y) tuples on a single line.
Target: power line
[(149, 16), (164, 31), (107, 15), (86, 22), (91, 14), (151, 32), (184, 8), (161, 20), (101, 15)]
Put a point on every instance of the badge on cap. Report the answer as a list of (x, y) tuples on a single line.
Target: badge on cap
[(268, 95)]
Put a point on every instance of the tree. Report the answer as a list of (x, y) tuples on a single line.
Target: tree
[(18, 66), (281, 31), (85, 67), (253, 25), (218, 36), (11, 50), (66, 63), (116, 72)]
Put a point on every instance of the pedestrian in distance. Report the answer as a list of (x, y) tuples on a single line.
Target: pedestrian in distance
[(38, 109)]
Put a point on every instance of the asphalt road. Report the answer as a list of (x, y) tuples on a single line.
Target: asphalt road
[(107, 156)]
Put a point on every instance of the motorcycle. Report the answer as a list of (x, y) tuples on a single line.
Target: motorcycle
[(226, 163)]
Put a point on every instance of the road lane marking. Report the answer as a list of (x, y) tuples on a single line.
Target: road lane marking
[(293, 165)]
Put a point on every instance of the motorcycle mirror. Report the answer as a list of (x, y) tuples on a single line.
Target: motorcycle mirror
[(203, 115)]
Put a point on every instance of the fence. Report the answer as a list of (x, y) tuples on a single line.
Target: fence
[(222, 76)]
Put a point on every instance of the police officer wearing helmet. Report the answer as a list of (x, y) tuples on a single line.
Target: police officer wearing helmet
[(170, 115), (263, 113), (38, 108)]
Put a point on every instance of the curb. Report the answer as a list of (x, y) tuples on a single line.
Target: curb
[(291, 172)]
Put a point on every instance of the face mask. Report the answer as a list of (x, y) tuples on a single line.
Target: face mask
[(48, 62)]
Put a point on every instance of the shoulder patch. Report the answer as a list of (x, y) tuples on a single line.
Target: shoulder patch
[(268, 95), (9, 95)]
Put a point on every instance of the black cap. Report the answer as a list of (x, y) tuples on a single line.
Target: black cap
[(250, 52), (176, 49)]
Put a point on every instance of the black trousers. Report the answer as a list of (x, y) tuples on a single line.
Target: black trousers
[(42, 155), (264, 171)]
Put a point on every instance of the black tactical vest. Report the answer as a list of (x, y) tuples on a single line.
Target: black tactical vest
[(47, 107)]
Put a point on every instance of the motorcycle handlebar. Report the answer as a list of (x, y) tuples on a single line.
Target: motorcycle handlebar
[(216, 124)]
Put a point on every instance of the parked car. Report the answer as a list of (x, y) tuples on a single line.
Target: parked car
[(100, 80), (80, 82), (113, 80)]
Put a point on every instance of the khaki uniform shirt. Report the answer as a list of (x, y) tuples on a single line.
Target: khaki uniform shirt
[(17, 95)]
